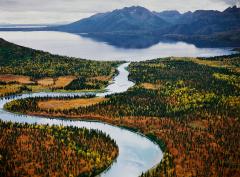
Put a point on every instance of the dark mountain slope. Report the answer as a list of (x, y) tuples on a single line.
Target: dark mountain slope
[(140, 19), (170, 16), (127, 19), (204, 22)]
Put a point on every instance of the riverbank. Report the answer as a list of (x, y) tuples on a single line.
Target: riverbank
[(190, 104), (147, 153)]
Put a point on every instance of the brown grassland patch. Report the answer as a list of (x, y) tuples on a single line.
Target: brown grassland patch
[(15, 78), (59, 82), (150, 86), (7, 89), (68, 104), (101, 78), (63, 81), (46, 82)]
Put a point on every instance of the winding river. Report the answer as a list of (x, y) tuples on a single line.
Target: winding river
[(137, 154)]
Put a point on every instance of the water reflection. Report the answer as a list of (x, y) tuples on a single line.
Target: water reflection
[(108, 49), (127, 41)]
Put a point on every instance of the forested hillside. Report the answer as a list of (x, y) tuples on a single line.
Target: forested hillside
[(37, 64), (25, 69)]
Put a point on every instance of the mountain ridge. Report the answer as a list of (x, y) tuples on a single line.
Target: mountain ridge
[(136, 24), (137, 18)]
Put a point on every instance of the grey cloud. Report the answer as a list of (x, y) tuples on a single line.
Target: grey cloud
[(232, 2), (228, 2), (32, 11)]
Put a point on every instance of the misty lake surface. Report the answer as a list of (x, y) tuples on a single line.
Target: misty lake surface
[(82, 47), (137, 154)]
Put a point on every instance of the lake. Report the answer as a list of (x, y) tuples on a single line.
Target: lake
[(89, 48)]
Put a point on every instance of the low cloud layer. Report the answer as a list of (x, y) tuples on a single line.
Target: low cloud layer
[(232, 2), (51, 11)]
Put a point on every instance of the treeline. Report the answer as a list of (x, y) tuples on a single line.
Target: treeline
[(233, 59), (41, 150), (19, 60)]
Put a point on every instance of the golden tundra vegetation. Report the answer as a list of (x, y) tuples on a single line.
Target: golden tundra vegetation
[(189, 106), (62, 104)]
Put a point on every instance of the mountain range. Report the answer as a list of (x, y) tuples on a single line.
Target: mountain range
[(137, 26), (140, 19), (203, 27), (134, 18)]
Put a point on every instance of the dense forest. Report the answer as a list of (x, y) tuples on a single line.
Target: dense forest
[(41, 150), (174, 88), (17, 63), (192, 104)]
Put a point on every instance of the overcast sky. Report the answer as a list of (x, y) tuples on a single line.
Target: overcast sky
[(52, 11)]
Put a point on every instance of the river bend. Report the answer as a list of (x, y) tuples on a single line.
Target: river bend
[(137, 154)]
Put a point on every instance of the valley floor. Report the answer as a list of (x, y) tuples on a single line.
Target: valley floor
[(192, 105)]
